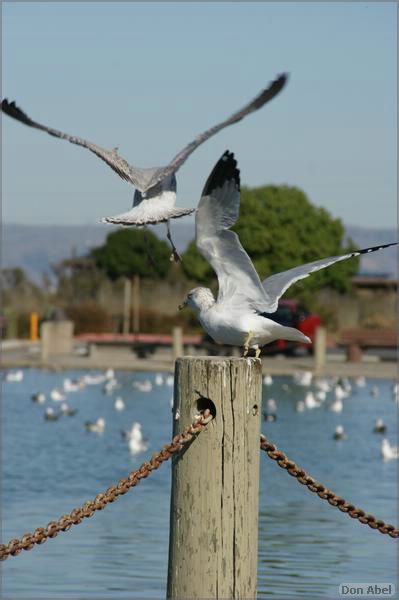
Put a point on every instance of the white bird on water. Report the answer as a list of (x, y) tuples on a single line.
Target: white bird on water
[(310, 401), (303, 378), (14, 376), (119, 404), (389, 452), (96, 426), (155, 195), (135, 439), (159, 379), (240, 316), (142, 386), (337, 406), (56, 395)]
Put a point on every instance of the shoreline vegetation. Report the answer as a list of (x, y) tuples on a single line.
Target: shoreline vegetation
[(129, 284)]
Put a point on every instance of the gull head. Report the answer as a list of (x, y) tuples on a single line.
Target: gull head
[(199, 298)]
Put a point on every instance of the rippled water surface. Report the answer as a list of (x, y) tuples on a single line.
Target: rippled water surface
[(306, 547)]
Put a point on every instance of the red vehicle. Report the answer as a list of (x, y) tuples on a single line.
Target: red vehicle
[(290, 314)]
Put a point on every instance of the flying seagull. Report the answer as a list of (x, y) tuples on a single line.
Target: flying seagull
[(155, 196), (240, 314)]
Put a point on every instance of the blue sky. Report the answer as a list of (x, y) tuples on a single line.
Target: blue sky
[(147, 77)]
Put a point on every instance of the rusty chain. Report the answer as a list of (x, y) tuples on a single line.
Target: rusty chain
[(65, 522), (314, 486)]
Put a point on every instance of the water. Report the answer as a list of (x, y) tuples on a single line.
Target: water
[(306, 547)]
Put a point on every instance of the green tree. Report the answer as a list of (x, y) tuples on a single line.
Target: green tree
[(126, 252), (280, 229)]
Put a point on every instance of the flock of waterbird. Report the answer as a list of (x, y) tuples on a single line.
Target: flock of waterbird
[(331, 393), (59, 408), (241, 314)]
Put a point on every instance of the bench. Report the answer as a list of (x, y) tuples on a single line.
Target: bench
[(357, 339)]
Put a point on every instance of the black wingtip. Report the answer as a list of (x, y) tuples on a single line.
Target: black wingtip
[(273, 89), (374, 248), (12, 110), (224, 170)]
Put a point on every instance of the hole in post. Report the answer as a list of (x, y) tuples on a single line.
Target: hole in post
[(255, 409), (206, 403)]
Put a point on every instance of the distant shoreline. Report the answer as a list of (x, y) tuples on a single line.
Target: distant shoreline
[(123, 360)]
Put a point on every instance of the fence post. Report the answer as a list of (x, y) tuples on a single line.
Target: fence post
[(213, 542), (320, 343), (136, 303), (177, 341), (126, 305)]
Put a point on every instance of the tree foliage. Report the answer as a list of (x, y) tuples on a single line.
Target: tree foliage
[(126, 252), (280, 229)]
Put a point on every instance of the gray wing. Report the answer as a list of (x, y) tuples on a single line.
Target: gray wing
[(218, 210), (276, 285), (116, 162), (265, 96)]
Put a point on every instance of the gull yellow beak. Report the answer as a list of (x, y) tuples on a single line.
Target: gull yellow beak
[(182, 305)]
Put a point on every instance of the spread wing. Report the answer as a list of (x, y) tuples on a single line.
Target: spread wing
[(112, 158), (265, 96), (276, 285), (218, 210)]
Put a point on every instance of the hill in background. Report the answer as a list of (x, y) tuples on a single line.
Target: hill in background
[(35, 248)]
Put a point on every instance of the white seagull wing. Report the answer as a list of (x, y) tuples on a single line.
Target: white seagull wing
[(276, 285), (261, 99), (218, 210), (112, 158)]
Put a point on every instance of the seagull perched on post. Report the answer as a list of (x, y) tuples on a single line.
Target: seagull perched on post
[(240, 314), (155, 196)]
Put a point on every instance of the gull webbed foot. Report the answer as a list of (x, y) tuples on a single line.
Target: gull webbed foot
[(175, 256)]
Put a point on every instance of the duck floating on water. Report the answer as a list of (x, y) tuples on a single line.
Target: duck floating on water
[(96, 426), (39, 398), (379, 426), (51, 415), (67, 410), (339, 433)]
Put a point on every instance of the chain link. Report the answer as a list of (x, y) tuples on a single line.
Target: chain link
[(324, 493), (65, 522)]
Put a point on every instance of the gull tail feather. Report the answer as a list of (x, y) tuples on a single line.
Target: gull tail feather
[(293, 335), (129, 218)]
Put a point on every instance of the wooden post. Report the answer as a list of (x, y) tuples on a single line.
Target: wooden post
[(213, 544), (177, 341), (320, 343), (126, 305), (136, 303)]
